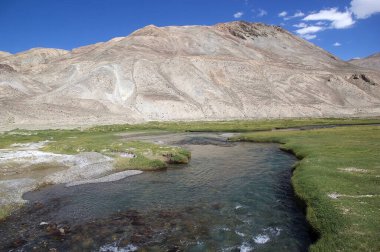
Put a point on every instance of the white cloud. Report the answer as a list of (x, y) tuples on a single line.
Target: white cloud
[(262, 13), (297, 14), (308, 32), (238, 14), (282, 14), (339, 20), (320, 23), (332, 18), (309, 36), (365, 8), (300, 25), (309, 29)]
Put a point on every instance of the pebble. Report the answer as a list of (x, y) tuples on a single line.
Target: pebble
[(44, 223), (62, 231)]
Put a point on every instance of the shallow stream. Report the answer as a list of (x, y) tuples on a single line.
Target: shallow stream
[(230, 197)]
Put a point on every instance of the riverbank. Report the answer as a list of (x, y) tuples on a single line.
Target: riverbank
[(30, 160), (338, 177)]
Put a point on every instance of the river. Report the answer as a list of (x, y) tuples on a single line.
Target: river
[(230, 197)]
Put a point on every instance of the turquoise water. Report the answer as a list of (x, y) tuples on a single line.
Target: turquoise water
[(230, 197)]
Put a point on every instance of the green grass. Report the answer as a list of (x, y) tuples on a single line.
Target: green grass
[(351, 222), (26, 136), (6, 210), (140, 163), (230, 126), (149, 156)]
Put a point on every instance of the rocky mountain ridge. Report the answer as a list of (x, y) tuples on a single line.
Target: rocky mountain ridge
[(236, 70)]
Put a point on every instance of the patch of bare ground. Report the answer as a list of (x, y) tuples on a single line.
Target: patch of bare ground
[(353, 170), (335, 195)]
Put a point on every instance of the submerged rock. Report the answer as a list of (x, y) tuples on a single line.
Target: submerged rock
[(113, 177), (44, 223), (87, 165)]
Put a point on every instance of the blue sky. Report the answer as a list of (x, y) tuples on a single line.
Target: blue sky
[(347, 28)]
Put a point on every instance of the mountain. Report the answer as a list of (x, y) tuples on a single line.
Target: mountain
[(236, 70), (4, 54), (372, 61)]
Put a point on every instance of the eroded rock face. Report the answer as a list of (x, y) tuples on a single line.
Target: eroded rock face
[(361, 78), (245, 30), (6, 68), (227, 71)]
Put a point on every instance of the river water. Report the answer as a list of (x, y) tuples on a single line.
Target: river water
[(230, 197)]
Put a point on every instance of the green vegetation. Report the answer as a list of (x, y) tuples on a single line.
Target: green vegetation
[(147, 156), (229, 126), (338, 178), (104, 139), (140, 163), (6, 210)]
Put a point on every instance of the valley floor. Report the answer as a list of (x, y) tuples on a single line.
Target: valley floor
[(337, 176)]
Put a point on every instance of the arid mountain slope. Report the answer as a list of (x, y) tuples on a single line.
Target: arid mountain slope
[(4, 54), (225, 71), (372, 61)]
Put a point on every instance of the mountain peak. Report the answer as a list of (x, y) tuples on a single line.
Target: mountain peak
[(244, 29), (227, 71), (149, 30)]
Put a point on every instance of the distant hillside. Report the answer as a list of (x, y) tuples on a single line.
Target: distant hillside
[(372, 61)]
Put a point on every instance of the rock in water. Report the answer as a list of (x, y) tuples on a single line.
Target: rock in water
[(226, 71)]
